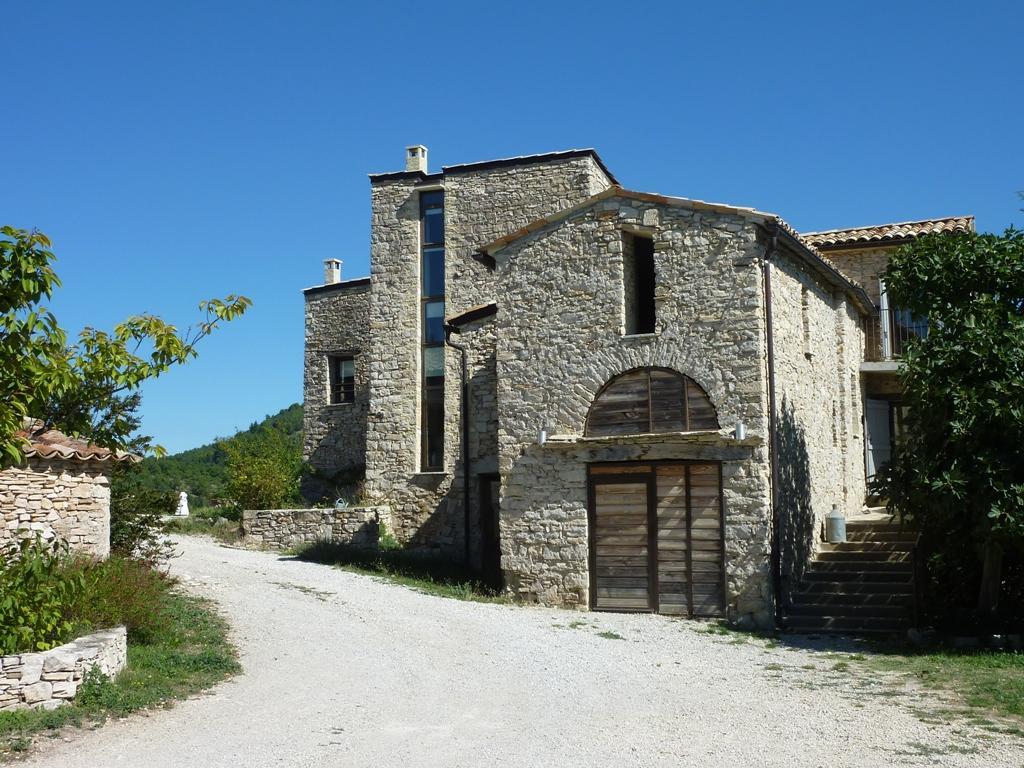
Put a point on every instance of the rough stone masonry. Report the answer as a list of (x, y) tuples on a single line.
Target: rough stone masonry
[(538, 280), (48, 679), (64, 498)]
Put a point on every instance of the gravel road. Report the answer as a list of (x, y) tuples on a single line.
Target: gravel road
[(345, 670)]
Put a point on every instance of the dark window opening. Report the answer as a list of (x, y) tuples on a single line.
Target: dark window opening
[(638, 283), (432, 458), (343, 379)]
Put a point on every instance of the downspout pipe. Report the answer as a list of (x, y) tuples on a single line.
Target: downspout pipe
[(464, 354), (772, 230)]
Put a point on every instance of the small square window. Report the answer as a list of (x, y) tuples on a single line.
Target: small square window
[(343, 379)]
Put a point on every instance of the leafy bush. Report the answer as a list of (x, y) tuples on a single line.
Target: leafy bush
[(120, 590), (48, 597), (36, 589), (263, 470), (386, 540), (135, 517), (957, 473)]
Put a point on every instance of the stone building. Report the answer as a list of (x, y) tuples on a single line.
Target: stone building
[(62, 490), (599, 398)]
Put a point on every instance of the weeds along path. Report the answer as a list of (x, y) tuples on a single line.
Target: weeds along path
[(342, 669)]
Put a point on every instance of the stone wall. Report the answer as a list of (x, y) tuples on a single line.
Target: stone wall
[(48, 679), (334, 436), (560, 339), (480, 205), (68, 499), (284, 528), (479, 339), (818, 349), (864, 266)]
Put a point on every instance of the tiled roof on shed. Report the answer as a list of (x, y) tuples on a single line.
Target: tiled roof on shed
[(887, 233), (52, 444)]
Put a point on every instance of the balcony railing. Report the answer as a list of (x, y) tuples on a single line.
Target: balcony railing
[(886, 333)]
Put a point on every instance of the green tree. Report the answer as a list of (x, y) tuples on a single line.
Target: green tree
[(263, 469), (959, 472), (90, 387)]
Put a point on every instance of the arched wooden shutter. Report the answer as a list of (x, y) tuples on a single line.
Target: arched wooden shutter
[(650, 400)]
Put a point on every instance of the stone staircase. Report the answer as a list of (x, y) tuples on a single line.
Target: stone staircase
[(865, 585)]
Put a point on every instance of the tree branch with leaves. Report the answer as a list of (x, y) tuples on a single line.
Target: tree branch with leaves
[(89, 388)]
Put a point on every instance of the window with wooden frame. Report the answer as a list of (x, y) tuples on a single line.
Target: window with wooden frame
[(432, 333), (342, 370), (647, 401)]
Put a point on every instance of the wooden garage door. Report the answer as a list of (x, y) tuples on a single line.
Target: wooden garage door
[(656, 538)]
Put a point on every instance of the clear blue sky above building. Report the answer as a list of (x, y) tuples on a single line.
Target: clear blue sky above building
[(179, 151)]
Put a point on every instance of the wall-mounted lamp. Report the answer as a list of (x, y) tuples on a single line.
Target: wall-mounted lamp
[(542, 436), (741, 431)]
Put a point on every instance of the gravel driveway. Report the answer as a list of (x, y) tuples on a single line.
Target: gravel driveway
[(344, 670)]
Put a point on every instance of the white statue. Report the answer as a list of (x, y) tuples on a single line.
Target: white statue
[(182, 505)]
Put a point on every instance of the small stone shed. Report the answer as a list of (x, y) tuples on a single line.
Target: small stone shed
[(62, 489)]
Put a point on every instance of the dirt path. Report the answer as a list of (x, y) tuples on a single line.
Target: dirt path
[(344, 670)]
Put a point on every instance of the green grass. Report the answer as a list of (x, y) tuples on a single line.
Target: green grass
[(422, 572), (609, 635), (190, 654), (985, 681)]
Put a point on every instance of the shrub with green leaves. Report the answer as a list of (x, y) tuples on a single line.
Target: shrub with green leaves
[(120, 590), (136, 512), (36, 588), (263, 470), (957, 472)]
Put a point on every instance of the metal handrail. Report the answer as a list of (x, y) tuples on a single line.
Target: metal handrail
[(888, 331)]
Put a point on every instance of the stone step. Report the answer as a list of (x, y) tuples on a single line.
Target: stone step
[(820, 566), (847, 610), (877, 526), (867, 590), (854, 624), (878, 578), (855, 534), (868, 546), (855, 596), (861, 556)]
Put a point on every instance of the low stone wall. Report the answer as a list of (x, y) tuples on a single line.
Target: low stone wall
[(283, 528), (50, 678)]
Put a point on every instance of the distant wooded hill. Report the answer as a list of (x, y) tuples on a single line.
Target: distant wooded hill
[(202, 472)]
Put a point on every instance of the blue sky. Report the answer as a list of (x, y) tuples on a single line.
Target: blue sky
[(179, 151)]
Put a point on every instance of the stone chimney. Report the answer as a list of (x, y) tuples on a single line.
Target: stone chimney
[(416, 158), (332, 271)]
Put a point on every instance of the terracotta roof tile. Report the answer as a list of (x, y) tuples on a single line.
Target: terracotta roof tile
[(883, 233), (52, 444)]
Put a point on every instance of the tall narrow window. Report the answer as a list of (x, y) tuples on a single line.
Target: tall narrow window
[(638, 283), (432, 325), (343, 379), (805, 314)]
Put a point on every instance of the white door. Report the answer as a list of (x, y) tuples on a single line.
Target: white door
[(878, 442)]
